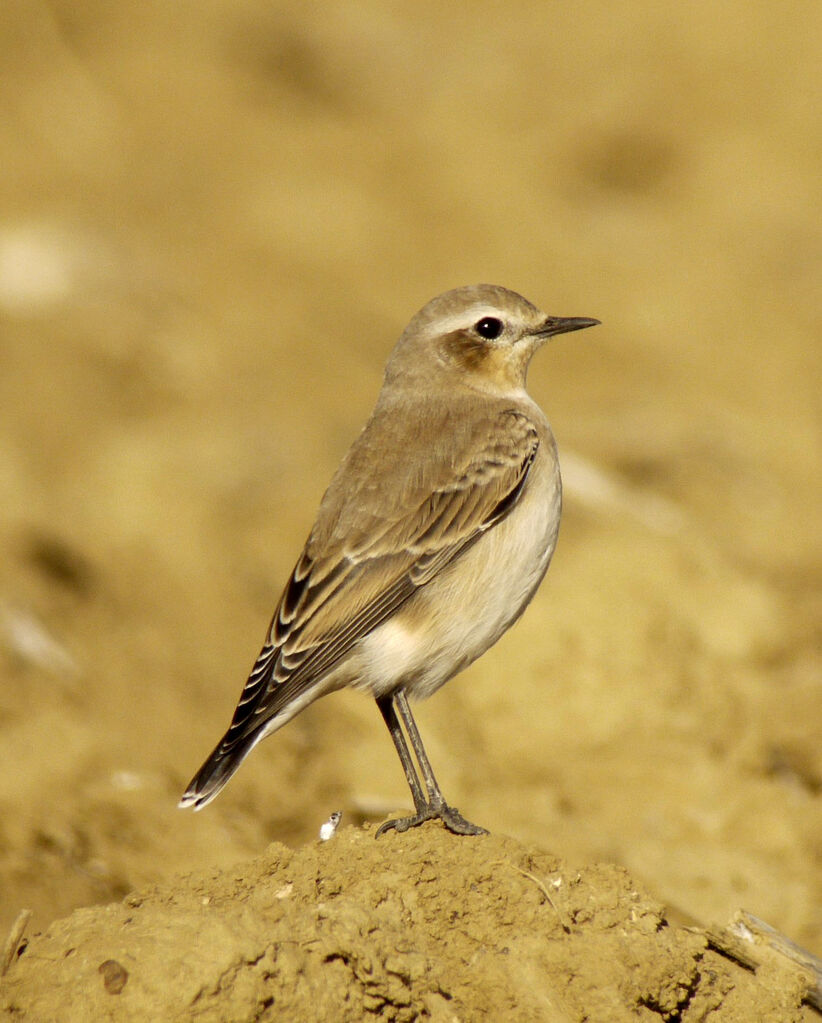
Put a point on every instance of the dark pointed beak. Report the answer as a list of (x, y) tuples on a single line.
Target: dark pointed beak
[(564, 324)]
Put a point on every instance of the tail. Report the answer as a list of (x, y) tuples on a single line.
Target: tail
[(240, 740), (219, 768)]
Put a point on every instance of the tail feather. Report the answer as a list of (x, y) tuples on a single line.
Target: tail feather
[(232, 750), (217, 770)]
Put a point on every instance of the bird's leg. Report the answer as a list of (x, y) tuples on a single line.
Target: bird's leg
[(389, 715), (435, 807), (449, 815)]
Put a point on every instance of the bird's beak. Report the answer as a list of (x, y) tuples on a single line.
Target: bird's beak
[(564, 324)]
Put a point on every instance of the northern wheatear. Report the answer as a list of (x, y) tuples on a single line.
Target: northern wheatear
[(429, 543)]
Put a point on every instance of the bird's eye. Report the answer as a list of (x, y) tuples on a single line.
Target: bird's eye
[(489, 327)]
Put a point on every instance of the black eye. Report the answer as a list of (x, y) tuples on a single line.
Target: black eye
[(489, 327)]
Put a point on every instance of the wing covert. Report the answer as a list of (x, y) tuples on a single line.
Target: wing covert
[(348, 581)]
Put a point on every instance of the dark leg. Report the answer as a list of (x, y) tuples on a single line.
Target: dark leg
[(435, 806), (389, 716)]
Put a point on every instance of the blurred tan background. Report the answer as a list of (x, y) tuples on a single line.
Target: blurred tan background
[(215, 219)]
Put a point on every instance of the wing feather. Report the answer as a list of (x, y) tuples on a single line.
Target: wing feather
[(346, 582)]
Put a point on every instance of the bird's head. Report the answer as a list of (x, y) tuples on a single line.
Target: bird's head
[(482, 336)]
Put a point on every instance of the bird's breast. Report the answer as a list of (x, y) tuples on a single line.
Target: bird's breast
[(464, 610)]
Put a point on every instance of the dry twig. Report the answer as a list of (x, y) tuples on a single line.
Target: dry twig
[(18, 929)]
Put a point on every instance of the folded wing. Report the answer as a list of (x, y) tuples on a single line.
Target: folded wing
[(374, 545)]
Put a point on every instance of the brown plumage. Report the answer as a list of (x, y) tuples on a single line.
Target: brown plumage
[(429, 542)]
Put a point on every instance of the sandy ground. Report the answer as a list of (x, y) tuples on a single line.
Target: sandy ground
[(214, 222), (419, 926)]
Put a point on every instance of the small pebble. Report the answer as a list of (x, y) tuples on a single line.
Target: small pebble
[(329, 829), (114, 976)]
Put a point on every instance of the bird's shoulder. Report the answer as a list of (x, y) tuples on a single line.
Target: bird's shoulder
[(409, 451)]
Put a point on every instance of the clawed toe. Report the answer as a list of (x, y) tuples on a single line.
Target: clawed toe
[(456, 823), (404, 823), (449, 816)]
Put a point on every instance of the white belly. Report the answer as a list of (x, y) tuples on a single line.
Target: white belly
[(460, 614)]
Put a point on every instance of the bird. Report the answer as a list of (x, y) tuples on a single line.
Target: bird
[(429, 543)]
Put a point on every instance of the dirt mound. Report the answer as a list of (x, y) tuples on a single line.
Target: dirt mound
[(416, 926)]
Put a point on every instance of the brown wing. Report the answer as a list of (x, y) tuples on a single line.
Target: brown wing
[(376, 541)]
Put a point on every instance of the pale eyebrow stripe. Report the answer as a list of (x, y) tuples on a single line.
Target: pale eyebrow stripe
[(467, 317)]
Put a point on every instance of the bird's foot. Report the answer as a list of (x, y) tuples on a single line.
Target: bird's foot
[(449, 815), (456, 823)]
